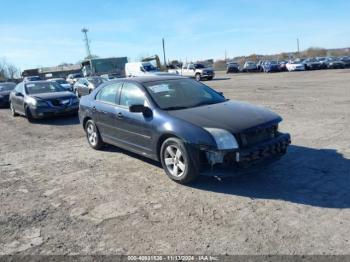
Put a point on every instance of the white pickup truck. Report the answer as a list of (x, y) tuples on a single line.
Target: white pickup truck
[(197, 71)]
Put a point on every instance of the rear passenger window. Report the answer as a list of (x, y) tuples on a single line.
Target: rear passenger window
[(132, 95), (109, 93)]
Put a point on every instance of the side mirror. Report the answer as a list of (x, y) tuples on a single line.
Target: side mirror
[(18, 94), (221, 93), (137, 108), (140, 109), (142, 69)]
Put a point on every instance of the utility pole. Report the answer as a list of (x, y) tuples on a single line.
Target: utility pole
[(87, 42), (225, 55), (164, 52), (298, 46)]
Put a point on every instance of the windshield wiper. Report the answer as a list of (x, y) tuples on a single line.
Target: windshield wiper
[(175, 108), (207, 103)]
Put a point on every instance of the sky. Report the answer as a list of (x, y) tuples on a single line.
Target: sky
[(46, 33)]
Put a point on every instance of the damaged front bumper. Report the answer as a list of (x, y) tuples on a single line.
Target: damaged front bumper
[(264, 152)]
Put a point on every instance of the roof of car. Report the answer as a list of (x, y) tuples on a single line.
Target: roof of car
[(37, 81), (146, 79)]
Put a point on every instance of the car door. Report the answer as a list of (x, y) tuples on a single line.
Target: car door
[(17, 98), (135, 129), (185, 70), (83, 86), (105, 111), (79, 86)]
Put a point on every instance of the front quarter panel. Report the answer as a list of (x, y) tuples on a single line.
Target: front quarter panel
[(167, 125)]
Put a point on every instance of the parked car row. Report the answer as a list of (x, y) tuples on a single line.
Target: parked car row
[(268, 66), (182, 123)]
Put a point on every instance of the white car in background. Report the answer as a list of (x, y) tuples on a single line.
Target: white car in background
[(295, 65)]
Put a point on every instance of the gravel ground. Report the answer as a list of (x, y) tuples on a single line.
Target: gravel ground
[(58, 196)]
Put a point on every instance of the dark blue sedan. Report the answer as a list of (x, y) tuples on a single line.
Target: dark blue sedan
[(270, 66), (182, 123)]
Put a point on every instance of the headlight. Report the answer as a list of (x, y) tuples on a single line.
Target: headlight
[(31, 101), (37, 103), (224, 139)]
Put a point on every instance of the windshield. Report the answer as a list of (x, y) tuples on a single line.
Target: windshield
[(96, 81), (7, 86), (43, 87), (182, 93), (199, 66)]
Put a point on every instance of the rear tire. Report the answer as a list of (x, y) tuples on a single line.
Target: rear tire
[(177, 162), (93, 135), (13, 110)]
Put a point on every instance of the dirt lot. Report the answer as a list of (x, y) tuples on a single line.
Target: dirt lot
[(58, 196)]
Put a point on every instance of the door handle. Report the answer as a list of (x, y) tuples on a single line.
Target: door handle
[(120, 115)]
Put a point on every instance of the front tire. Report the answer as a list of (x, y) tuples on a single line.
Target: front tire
[(93, 135), (29, 115), (198, 77), (177, 162)]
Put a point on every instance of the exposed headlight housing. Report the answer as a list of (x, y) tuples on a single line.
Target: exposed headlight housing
[(224, 139)]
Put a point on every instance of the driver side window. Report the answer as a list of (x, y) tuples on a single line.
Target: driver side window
[(109, 93), (132, 95), (19, 88)]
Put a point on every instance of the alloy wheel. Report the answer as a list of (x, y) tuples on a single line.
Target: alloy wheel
[(174, 161), (92, 134)]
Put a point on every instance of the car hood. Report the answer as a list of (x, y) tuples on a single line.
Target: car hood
[(56, 95), (232, 116)]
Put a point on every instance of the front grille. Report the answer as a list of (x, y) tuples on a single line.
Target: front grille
[(253, 137), (60, 102), (56, 102)]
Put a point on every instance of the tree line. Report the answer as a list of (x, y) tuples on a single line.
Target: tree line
[(8, 71)]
